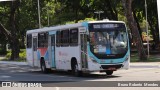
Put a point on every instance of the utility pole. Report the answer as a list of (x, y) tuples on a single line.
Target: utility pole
[(39, 19), (147, 28), (158, 8), (99, 13)]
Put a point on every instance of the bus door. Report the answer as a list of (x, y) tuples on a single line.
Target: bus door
[(83, 42), (52, 49), (35, 61)]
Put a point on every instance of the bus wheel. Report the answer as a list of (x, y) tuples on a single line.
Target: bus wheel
[(109, 72), (43, 67), (75, 71)]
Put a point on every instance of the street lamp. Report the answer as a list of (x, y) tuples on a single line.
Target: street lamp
[(99, 13), (147, 28)]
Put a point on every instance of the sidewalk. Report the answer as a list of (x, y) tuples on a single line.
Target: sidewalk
[(145, 64), (13, 62)]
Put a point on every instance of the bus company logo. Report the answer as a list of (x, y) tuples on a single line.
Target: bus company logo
[(62, 54), (6, 84)]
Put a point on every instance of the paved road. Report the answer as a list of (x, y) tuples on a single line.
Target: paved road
[(137, 72)]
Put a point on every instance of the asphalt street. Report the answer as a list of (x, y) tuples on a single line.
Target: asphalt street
[(24, 73)]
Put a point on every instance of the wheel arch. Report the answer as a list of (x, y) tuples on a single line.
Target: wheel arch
[(73, 62)]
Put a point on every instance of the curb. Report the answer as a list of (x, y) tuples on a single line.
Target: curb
[(145, 65), (13, 62)]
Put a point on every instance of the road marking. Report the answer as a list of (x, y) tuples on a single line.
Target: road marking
[(57, 88)]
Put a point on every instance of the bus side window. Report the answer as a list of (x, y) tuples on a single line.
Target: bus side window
[(74, 37), (46, 40), (58, 38), (65, 38), (43, 40), (29, 41)]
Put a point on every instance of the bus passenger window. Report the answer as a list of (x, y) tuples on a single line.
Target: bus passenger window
[(43, 40), (65, 38), (74, 37), (58, 38), (29, 41)]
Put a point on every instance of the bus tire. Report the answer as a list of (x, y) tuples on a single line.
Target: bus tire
[(75, 70), (43, 67), (109, 72)]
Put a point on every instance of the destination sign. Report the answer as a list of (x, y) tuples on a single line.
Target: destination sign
[(97, 26)]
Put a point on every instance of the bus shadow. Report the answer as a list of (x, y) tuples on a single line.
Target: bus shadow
[(100, 76), (85, 76)]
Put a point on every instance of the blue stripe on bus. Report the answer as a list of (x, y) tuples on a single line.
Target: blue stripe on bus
[(52, 32), (85, 24), (38, 55)]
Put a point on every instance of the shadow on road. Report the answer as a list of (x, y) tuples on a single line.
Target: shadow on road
[(26, 73), (84, 76)]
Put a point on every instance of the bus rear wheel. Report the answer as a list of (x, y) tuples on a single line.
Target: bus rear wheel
[(43, 67), (75, 70), (109, 72)]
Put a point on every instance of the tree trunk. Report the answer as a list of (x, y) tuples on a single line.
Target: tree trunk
[(14, 32), (127, 4), (6, 33), (137, 22), (153, 32)]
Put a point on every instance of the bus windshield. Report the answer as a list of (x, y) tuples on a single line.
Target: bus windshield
[(108, 41)]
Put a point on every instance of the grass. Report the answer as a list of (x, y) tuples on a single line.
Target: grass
[(22, 56), (18, 60), (152, 58)]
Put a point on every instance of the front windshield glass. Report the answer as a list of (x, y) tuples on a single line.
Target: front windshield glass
[(111, 42)]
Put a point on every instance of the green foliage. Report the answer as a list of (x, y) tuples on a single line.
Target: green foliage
[(8, 54), (22, 54), (152, 58), (59, 12), (87, 19), (2, 51)]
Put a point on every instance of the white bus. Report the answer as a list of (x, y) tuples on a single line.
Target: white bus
[(82, 47)]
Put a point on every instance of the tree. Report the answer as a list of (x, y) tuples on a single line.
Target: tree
[(133, 27), (138, 7), (12, 35), (153, 19)]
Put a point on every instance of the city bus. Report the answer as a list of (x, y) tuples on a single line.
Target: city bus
[(93, 46)]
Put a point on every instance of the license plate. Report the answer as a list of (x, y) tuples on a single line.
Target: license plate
[(112, 68)]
